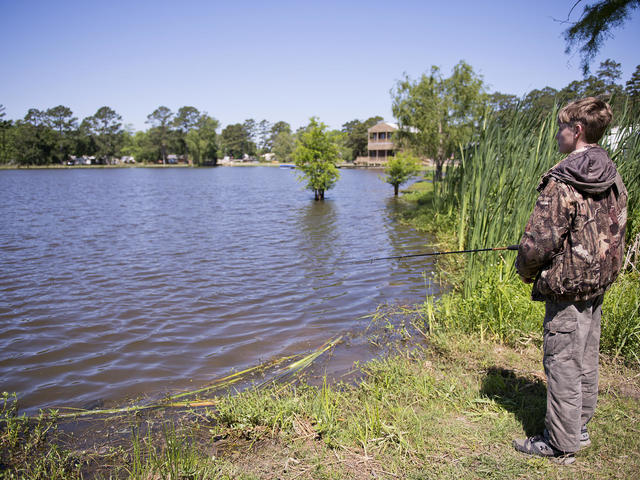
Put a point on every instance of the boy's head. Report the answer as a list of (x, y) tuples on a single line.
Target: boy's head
[(586, 119)]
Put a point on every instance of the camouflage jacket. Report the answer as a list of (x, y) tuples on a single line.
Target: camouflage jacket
[(573, 244)]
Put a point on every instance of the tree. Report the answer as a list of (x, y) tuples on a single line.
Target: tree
[(186, 120), (5, 126), (608, 75), (357, 138), (34, 142), (283, 146), (595, 25), (251, 127), (399, 169), (140, 146), (202, 140), (339, 139), (236, 141), (541, 100), (500, 102), (632, 87), (503, 106), (276, 129), (609, 72), (264, 136), (63, 123), (160, 120), (316, 156), (106, 128), (436, 115)]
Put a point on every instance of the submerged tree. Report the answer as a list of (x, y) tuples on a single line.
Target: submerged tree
[(316, 157), (401, 168)]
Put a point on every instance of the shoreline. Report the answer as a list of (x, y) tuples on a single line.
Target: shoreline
[(151, 165)]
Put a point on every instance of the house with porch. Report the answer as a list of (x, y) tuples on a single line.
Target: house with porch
[(380, 146)]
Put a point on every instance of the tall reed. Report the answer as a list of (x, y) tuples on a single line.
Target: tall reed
[(493, 189), (491, 193)]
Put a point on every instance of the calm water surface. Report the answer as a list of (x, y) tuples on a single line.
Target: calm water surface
[(117, 283)]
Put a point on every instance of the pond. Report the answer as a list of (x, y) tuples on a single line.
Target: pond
[(118, 283)]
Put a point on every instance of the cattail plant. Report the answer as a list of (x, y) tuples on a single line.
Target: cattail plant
[(494, 186)]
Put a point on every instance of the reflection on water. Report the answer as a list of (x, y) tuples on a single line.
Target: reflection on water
[(117, 283)]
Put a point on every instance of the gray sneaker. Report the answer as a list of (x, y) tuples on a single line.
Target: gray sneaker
[(540, 447), (585, 441)]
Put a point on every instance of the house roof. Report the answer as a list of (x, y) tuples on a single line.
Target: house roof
[(383, 127)]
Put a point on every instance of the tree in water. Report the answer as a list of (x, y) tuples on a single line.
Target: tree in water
[(401, 168), (316, 156)]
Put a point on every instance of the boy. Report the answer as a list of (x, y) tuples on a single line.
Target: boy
[(572, 250)]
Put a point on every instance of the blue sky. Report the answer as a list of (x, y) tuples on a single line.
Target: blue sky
[(278, 60)]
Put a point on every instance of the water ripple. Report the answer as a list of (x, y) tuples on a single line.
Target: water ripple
[(121, 283)]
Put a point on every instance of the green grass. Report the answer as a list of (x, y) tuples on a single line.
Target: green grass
[(447, 408)]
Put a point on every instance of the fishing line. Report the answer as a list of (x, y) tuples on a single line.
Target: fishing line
[(430, 254)]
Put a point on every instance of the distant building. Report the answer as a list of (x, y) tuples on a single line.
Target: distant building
[(83, 160), (380, 146), (618, 134)]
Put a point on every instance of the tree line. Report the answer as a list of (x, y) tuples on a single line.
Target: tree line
[(53, 136)]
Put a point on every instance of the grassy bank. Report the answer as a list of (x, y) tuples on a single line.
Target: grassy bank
[(448, 408)]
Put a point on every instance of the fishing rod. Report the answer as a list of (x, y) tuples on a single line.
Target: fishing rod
[(371, 260)]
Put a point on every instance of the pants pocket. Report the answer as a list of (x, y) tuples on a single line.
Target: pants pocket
[(559, 331)]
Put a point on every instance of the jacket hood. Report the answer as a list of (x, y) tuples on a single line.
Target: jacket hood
[(589, 171)]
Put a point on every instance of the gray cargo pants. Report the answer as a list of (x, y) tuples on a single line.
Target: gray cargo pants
[(571, 348)]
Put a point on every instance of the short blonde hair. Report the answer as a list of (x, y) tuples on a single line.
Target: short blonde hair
[(592, 113)]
